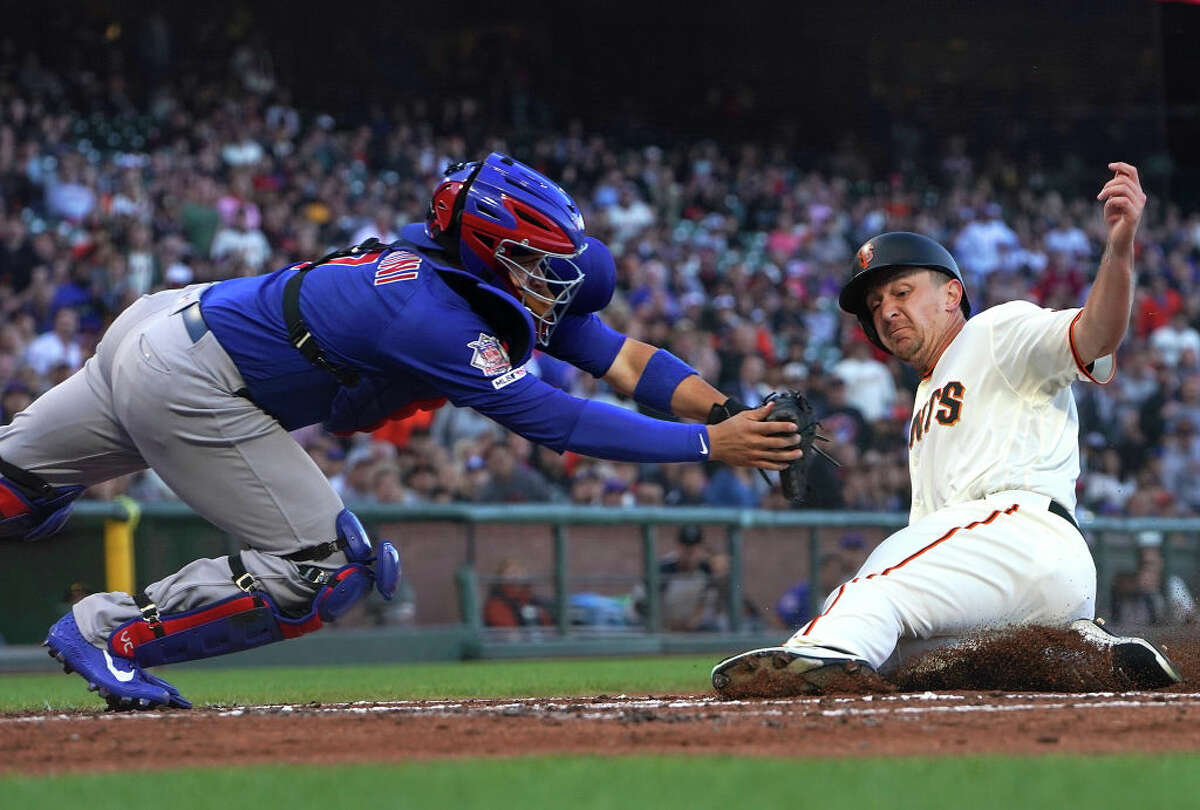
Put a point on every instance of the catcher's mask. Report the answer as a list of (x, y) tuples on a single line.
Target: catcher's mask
[(886, 252), (511, 225)]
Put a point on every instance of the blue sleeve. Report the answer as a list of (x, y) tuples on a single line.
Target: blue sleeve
[(455, 355), (586, 342), (606, 431)]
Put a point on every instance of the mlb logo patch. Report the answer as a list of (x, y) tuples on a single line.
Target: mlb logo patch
[(489, 355), (399, 266)]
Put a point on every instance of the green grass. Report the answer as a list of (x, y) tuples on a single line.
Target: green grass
[(583, 783), (330, 684)]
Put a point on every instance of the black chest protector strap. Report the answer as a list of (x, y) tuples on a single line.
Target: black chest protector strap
[(298, 333)]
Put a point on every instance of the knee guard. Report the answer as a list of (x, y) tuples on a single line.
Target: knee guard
[(33, 512), (252, 619)]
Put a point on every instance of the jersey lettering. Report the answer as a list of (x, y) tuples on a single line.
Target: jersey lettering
[(944, 405), (354, 261), (951, 399), (399, 266)]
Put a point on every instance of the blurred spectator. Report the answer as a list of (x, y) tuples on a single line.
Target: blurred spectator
[(793, 609), (1175, 338), (1106, 489), (688, 592), (1069, 239), (751, 619), (511, 601), (17, 257), (648, 491), (16, 398), (750, 388), (1147, 596), (853, 549), (629, 215), (1156, 303), (356, 481), (59, 346), (616, 493), (977, 247), (386, 485), (69, 194), (382, 227), (734, 487), (869, 384), (241, 243), (510, 481), (841, 421), (689, 488), (76, 591)]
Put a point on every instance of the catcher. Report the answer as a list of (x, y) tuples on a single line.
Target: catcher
[(203, 384), (993, 454)]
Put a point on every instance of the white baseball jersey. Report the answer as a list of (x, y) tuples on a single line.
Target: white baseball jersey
[(997, 412)]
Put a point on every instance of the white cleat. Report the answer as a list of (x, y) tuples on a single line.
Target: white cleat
[(786, 672), (1140, 660)]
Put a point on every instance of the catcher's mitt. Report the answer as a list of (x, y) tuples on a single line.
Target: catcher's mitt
[(790, 406)]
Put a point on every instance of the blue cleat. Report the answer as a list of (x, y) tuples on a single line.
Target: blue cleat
[(177, 700), (116, 678)]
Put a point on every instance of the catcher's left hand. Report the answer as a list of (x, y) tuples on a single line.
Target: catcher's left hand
[(745, 437), (791, 406)]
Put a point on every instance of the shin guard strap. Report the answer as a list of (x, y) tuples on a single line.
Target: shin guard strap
[(34, 485), (149, 612), (241, 577)]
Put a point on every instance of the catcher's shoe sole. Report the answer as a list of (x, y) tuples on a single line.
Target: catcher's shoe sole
[(1142, 661), (782, 672)]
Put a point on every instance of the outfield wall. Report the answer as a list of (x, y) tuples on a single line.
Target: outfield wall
[(450, 552)]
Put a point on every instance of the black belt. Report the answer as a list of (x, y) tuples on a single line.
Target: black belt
[(193, 321), (1064, 513)]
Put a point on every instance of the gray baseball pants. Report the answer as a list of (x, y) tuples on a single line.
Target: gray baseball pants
[(152, 397)]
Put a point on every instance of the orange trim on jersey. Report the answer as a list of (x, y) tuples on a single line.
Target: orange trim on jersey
[(1079, 363), (909, 559)]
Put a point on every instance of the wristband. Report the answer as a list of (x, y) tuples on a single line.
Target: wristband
[(662, 375), (722, 411)]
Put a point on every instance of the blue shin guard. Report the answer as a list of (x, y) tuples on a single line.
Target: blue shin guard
[(252, 619), (234, 624)]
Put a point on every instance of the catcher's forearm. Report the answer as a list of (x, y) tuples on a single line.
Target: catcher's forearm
[(659, 379), (694, 398)]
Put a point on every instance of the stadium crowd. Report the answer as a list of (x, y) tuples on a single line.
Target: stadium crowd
[(727, 254)]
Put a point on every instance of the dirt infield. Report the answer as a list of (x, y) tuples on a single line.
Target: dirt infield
[(929, 724), (949, 722)]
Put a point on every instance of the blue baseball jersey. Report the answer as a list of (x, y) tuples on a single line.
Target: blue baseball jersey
[(416, 328)]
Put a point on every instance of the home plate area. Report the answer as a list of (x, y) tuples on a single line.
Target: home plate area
[(898, 724), (1029, 694)]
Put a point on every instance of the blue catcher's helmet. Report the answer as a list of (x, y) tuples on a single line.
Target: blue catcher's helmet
[(505, 222)]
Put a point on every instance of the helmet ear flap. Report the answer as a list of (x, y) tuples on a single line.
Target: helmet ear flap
[(441, 208), (444, 218)]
